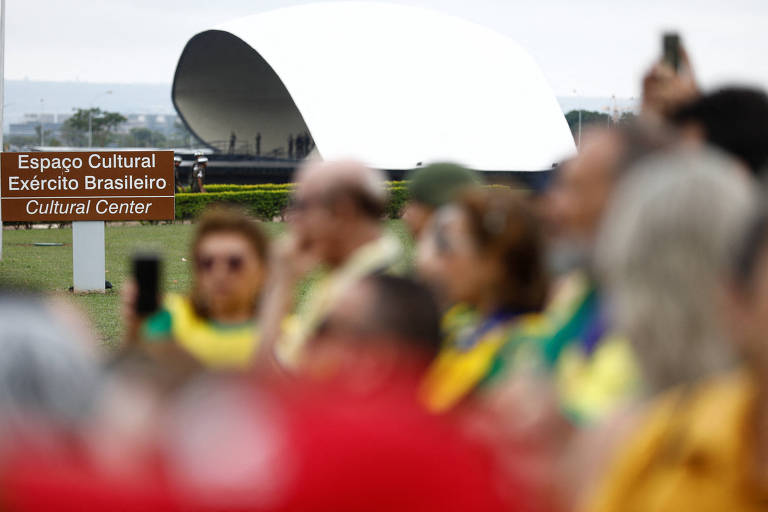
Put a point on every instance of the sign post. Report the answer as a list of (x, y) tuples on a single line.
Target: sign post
[(87, 188), (88, 265), (2, 99)]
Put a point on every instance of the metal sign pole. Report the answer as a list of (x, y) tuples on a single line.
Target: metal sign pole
[(88, 266), (2, 98)]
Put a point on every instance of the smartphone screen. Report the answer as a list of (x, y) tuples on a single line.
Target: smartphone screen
[(146, 272), (671, 49)]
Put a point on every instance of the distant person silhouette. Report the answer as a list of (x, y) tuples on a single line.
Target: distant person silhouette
[(197, 178), (299, 146), (258, 144), (232, 140), (310, 143), (290, 146), (176, 177)]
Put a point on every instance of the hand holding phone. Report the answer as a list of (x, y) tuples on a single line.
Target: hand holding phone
[(146, 272), (671, 50)]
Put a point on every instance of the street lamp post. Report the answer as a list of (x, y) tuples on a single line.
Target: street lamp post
[(578, 140), (578, 143), (2, 95), (42, 127)]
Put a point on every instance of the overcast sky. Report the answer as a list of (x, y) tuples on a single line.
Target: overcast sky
[(595, 47)]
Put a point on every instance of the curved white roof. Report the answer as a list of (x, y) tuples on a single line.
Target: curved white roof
[(390, 84)]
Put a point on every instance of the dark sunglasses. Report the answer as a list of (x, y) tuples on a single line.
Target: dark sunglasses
[(233, 264)]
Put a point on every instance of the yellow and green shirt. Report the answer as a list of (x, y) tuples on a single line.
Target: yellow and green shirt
[(214, 345), (469, 356), (592, 367), (381, 255)]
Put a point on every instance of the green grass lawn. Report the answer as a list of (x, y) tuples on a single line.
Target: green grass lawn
[(50, 268)]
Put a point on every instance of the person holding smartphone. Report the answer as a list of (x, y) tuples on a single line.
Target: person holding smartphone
[(670, 83), (215, 323)]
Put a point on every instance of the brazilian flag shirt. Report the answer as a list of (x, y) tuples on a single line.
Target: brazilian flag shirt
[(215, 345)]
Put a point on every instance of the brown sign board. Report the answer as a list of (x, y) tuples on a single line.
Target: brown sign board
[(93, 185)]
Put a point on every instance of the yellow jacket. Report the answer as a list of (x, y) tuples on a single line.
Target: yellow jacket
[(693, 452)]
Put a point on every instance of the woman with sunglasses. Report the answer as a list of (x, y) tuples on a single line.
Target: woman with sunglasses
[(484, 256), (215, 322)]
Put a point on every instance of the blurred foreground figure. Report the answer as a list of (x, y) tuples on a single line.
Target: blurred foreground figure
[(733, 119), (592, 363), (380, 328), (485, 253), (335, 225), (431, 187), (355, 439), (592, 366), (216, 323), (704, 446), (48, 374), (667, 243)]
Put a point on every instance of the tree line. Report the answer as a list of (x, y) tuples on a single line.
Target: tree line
[(104, 132), (590, 117)]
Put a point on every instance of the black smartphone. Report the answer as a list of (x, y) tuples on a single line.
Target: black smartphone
[(146, 272), (671, 48)]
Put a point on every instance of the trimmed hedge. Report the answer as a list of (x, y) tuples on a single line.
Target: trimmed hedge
[(266, 201), (398, 196), (244, 188), (274, 186), (262, 204)]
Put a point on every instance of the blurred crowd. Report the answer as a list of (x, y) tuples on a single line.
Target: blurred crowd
[(597, 345)]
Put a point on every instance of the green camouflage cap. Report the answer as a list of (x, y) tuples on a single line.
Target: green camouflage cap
[(439, 183)]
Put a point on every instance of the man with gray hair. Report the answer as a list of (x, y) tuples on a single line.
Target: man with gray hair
[(684, 265), (335, 222), (661, 254)]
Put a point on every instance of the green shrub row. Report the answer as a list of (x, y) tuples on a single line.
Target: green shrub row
[(264, 202), (272, 186), (243, 188)]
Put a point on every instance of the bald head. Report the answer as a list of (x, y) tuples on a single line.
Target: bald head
[(327, 180), (338, 207)]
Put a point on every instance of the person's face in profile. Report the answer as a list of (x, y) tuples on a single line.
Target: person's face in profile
[(579, 196), (313, 222), (448, 258)]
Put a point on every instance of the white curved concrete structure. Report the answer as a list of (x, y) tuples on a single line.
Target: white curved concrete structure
[(389, 84)]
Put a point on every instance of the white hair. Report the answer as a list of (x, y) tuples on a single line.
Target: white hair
[(664, 247)]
